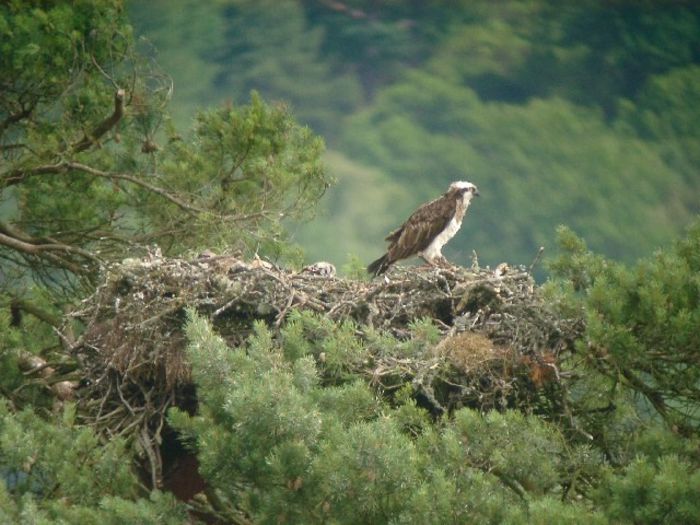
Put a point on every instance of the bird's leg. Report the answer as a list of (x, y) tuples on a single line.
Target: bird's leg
[(436, 262), (429, 262), (441, 262)]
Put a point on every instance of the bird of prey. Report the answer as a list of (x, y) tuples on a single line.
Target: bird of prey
[(428, 228)]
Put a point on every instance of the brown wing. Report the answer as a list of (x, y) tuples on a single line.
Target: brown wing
[(421, 228)]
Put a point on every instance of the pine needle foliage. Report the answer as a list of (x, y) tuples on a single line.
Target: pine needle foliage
[(279, 446), (643, 323), (55, 471)]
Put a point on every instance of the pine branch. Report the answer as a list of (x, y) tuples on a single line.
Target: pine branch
[(138, 182), (23, 243), (18, 176), (48, 249), (103, 127), (32, 309), (13, 118)]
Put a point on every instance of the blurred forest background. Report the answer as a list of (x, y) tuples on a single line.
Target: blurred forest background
[(584, 113)]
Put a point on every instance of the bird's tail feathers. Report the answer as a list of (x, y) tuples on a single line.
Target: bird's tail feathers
[(379, 266)]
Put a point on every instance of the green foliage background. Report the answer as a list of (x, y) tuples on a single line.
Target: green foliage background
[(584, 115)]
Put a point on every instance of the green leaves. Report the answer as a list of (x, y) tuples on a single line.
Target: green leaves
[(246, 170), (56, 471), (643, 323), (277, 444), (662, 491), (94, 170)]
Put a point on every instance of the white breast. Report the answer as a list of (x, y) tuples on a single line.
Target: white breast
[(434, 249)]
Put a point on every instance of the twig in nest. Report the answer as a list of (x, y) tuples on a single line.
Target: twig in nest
[(535, 260), (121, 396), (283, 312), (153, 457)]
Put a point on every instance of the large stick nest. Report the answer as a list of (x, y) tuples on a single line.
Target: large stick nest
[(500, 348)]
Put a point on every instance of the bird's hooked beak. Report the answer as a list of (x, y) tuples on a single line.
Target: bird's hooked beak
[(475, 192)]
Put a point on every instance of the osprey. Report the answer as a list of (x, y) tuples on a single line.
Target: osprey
[(428, 228)]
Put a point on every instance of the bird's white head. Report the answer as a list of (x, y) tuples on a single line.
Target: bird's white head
[(466, 189)]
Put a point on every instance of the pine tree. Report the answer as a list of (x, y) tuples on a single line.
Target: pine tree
[(55, 471), (643, 322), (92, 168), (278, 444), (92, 171)]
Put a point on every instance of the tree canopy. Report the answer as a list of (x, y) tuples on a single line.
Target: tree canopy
[(93, 168)]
